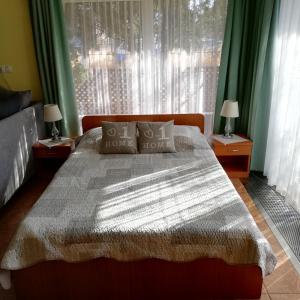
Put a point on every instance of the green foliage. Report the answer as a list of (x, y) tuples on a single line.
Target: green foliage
[(119, 24)]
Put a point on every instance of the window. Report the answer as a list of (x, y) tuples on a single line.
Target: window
[(145, 56), (282, 164)]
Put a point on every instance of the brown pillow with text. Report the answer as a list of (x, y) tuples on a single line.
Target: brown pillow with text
[(156, 137), (118, 137)]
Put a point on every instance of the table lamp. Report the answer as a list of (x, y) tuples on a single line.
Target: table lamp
[(230, 109), (52, 114)]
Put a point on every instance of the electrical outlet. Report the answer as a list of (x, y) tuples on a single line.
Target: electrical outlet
[(9, 69), (5, 69)]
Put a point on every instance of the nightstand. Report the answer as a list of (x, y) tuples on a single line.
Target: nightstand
[(50, 159), (235, 158)]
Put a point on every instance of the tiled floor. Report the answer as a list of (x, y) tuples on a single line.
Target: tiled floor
[(282, 284)]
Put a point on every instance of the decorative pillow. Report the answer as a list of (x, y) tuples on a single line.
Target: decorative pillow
[(156, 137), (118, 137)]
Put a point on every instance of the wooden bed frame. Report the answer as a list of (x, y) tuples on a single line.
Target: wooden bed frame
[(92, 121), (151, 278)]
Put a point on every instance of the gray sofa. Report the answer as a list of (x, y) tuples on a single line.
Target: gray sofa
[(17, 134)]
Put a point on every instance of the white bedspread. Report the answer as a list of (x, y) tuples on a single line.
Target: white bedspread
[(173, 206)]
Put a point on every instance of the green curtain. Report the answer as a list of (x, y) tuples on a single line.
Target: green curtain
[(53, 60), (245, 70)]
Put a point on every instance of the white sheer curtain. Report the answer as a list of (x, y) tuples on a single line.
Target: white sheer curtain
[(145, 56), (282, 164)]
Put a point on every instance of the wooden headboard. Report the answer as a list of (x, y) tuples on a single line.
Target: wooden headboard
[(92, 121)]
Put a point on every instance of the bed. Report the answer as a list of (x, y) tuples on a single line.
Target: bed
[(139, 226)]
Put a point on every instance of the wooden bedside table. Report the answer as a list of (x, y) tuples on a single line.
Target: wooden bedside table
[(234, 158), (50, 159)]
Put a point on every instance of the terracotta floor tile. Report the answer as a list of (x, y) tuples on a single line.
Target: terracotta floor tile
[(285, 296), (264, 290), (278, 250), (264, 297), (284, 279), (263, 227)]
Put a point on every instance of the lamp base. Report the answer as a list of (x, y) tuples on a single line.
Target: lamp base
[(228, 130), (56, 138), (55, 133), (226, 136)]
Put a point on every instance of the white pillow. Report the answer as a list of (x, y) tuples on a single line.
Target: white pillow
[(188, 138), (91, 138)]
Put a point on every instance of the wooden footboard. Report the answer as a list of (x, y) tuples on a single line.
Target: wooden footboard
[(146, 279)]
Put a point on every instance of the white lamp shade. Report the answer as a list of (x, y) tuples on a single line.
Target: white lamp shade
[(230, 109), (51, 113)]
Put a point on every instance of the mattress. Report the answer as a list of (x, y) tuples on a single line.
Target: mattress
[(172, 206)]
